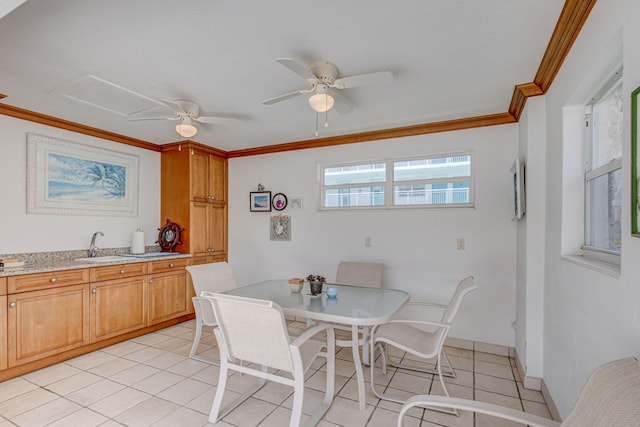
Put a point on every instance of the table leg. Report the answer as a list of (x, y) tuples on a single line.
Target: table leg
[(356, 360)]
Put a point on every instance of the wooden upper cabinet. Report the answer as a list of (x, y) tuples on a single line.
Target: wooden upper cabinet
[(208, 175), (193, 181)]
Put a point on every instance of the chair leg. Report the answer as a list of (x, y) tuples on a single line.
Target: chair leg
[(217, 412)]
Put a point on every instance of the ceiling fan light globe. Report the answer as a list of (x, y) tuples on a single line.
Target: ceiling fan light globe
[(186, 130), (321, 102)]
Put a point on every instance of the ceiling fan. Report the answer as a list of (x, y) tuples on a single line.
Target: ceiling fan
[(187, 112), (325, 84)]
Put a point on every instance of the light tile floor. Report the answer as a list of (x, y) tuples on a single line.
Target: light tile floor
[(150, 381)]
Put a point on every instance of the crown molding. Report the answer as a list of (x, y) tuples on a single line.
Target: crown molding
[(377, 135), (20, 113)]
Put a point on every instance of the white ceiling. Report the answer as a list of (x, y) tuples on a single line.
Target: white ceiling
[(450, 59)]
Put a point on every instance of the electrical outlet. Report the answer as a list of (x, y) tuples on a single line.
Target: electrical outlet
[(460, 244), (367, 242)]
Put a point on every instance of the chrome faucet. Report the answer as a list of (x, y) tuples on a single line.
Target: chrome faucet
[(93, 250)]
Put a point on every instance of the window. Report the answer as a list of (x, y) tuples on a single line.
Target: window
[(442, 181), (603, 172)]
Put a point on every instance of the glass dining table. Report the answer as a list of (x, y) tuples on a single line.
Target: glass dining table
[(355, 306)]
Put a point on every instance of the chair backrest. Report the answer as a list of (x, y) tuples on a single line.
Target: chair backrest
[(360, 274), (253, 330), (465, 286), (611, 396), (212, 277)]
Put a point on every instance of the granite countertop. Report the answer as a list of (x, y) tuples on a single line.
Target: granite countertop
[(46, 263)]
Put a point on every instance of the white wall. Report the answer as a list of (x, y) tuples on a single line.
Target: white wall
[(21, 232), (531, 229), (417, 246), (589, 317)]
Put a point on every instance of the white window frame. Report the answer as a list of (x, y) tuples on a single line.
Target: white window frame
[(389, 184), (600, 254)]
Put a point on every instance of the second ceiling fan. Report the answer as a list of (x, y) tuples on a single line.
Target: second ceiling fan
[(325, 84)]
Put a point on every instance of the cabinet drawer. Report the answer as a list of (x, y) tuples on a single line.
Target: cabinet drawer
[(32, 282), (167, 265), (3, 285), (121, 271)]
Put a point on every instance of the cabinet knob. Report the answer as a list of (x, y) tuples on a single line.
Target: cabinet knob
[(94, 290), (171, 265), (213, 197), (121, 271), (150, 280), (13, 304), (54, 280)]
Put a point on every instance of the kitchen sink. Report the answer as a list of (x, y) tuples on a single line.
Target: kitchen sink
[(99, 259)]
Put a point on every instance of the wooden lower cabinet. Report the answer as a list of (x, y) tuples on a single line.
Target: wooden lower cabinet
[(117, 307), (46, 322), (167, 296), (3, 332)]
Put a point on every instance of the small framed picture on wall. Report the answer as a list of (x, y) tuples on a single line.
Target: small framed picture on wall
[(260, 201)]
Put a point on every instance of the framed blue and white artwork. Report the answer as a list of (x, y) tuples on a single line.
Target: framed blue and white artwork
[(69, 178)]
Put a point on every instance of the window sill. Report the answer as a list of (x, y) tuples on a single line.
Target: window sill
[(607, 268)]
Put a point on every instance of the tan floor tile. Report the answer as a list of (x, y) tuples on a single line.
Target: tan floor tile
[(73, 383), (15, 387), (498, 399), (83, 417), (384, 418), (527, 394), (184, 391), (410, 383), (250, 413), (95, 392), (146, 412), (496, 385), (124, 348), (281, 417), (119, 402), (158, 382), (165, 360), (25, 402), (346, 412), (489, 421), (350, 391), (183, 417), (51, 374), (134, 374), (465, 419), (111, 368), (535, 408), (145, 354), (493, 358), (45, 414), (151, 339), (187, 367), (494, 370), (91, 360)]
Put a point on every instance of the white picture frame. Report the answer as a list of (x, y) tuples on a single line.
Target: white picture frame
[(518, 183), (69, 178)]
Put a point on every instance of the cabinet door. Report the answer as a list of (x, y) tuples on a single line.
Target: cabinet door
[(199, 233), (167, 296), (117, 307), (217, 179), (217, 231), (43, 323), (3, 332), (199, 176)]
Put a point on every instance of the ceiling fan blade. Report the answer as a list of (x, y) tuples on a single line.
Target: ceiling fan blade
[(297, 68), (341, 105), (216, 120), (286, 96), (363, 80), (133, 119)]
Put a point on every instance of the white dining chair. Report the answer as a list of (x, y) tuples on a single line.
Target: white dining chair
[(254, 331), (409, 332), (212, 277), (611, 397), (367, 274)]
